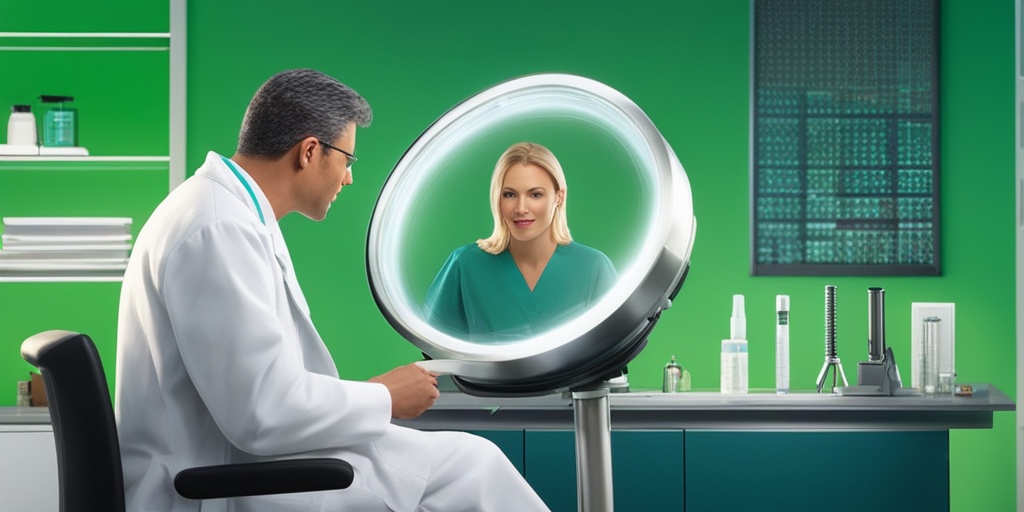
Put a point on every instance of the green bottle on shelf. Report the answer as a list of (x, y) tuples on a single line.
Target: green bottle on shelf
[(60, 123)]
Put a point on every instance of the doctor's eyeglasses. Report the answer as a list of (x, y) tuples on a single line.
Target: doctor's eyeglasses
[(351, 158)]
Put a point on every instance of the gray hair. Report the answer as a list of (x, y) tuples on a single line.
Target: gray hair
[(296, 104)]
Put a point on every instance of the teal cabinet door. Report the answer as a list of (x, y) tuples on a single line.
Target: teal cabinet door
[(647, 469), (834, 471), (551, 468)]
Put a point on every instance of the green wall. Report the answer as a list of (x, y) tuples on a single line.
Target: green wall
[(686, 63)]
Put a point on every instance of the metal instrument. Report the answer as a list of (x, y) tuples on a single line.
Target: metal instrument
[(831, 359), (878, 376)]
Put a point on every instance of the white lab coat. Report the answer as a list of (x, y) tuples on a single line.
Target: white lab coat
[(218, 361)]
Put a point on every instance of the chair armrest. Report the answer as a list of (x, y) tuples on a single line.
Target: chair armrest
[(259, 478)]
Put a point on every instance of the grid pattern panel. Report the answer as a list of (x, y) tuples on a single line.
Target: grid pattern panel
[(845, 138)]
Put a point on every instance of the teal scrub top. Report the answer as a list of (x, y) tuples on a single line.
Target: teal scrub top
[(483, 297)]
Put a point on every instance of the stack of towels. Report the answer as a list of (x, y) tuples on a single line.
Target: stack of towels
[(58, 247)]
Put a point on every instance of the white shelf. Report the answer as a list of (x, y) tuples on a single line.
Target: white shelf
[(54, 158), (84, 35), (60, 279), (123, 36)]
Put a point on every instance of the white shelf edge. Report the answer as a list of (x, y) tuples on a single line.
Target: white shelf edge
[(51, 158), (84, 48), (61, 279), (84, 35)]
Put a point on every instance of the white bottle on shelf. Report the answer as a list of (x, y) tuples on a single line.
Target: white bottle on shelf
[(22, 138), (21, 126)]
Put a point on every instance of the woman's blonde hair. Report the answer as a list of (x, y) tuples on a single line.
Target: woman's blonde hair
[(525, 153)]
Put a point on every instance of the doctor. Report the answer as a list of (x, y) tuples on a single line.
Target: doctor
[(219, 362)]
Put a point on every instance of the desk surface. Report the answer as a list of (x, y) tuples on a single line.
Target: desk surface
[(691, 410), (24, 416), (715, 411)]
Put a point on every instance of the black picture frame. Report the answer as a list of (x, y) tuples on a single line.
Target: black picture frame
[(844, 138)]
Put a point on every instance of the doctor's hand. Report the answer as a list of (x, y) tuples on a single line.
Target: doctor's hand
[(413, 390)]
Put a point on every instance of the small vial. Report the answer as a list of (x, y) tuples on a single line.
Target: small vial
[(672, 378), (947, 383)]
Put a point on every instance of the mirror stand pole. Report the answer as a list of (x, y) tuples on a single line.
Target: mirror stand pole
[(592, 413)]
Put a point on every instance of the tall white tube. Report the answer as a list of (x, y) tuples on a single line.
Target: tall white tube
[(782, 344)]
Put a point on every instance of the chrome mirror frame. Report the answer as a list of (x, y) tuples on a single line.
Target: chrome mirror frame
[(603, 339)]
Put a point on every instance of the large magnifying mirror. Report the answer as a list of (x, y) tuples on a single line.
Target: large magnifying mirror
[(627, 196)]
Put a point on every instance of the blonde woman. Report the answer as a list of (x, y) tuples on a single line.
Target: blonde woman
[(529, 274)]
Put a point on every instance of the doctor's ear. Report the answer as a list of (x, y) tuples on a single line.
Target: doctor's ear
[(306, 148)]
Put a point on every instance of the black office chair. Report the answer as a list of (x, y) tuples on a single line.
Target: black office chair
[(89, 456)]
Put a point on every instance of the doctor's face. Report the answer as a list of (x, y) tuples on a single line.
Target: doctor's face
[(329, 174), (528, 201)]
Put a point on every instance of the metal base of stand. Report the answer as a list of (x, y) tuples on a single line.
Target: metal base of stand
[(877, 378), (593, 427), (836, 366)]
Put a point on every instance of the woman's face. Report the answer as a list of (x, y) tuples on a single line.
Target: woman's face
[(528, 200)]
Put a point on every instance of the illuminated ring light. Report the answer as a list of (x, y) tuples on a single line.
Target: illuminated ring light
[(590, 346)]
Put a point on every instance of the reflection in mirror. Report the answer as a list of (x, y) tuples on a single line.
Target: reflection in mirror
[(529, 274), (437, 199)]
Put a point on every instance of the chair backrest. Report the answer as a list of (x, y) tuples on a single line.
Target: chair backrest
[(88, 454)]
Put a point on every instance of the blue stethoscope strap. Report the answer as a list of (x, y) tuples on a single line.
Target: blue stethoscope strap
[(238, 174)]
